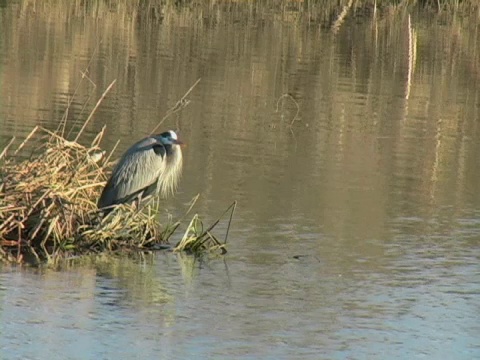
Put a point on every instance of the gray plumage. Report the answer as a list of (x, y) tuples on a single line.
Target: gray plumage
[(152, 166)]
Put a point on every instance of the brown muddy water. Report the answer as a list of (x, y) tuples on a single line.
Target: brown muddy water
[(357, 234)]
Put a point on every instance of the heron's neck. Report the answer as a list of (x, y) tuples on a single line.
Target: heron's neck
[(171, 150)]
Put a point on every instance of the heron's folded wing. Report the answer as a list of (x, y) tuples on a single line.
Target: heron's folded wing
[(138, 169)]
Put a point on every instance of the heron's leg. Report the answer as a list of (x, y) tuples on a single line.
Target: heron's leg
[(145, 202), (138, 201)]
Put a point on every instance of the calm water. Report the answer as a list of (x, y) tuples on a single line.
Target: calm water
[(357, 234)]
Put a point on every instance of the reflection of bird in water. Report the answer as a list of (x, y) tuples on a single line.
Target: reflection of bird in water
[(150, 167)]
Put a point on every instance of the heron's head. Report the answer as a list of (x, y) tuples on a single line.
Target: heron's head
[(169, 138)]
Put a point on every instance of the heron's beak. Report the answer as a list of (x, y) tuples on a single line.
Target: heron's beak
[(178, 142)]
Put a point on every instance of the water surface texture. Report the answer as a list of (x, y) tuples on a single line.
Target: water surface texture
[(353, 152)]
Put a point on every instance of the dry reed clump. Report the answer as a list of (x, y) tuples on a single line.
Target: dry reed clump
[(47, 204), (198, 240), (48, 207)]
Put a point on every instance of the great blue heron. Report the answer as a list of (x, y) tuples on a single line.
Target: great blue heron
[(151, 166)]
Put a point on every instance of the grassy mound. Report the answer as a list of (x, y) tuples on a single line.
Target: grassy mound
[(48, 207)]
